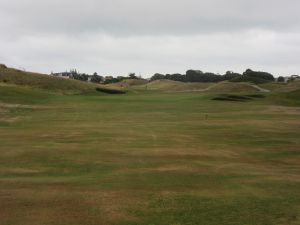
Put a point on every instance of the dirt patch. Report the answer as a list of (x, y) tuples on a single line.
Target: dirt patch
[(284, 109), (12, 119), (21, 170), (12, 106)]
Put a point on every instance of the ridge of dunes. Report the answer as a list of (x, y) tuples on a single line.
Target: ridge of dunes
[(43, 81), (170, 85)]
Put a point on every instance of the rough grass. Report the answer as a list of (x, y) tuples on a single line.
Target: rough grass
[(22, 94), (233, 87), (176, 86), (127, 83), (170, 85), (291, 98), (282, 87), (41, 81), (148, 158)]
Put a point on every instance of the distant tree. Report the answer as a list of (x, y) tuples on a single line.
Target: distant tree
[(199, 76), (258, 74), (132, 76), (229, 75), (193, 75), (73, 72), (176, 77), (96, 78), (84, 77), (3, 66), (158, 76), (280, 79)]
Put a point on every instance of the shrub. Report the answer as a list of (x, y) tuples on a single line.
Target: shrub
[(280, 79), (258, 74), (158, 76), (2, 66), (255, 80)]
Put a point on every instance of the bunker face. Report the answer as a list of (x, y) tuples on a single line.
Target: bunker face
[(110, 91), (238, 98)]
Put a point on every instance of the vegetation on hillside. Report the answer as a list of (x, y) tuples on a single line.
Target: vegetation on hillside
[(36, 80), (199, 76), (45, 82)]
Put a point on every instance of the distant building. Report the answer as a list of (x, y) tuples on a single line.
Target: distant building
[(89, 78), (295, 77), (106, 78), (65, 75), (286, 79)]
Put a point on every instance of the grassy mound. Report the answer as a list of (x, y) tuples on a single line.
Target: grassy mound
[(170, 85), (274, 86), (233, 87), (41, 81), (289, 98), (128, 83), (282, 87)]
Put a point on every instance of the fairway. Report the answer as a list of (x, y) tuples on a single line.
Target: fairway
[(148, 158)]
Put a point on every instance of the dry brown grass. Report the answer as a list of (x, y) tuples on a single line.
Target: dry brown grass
[(57, 204), (232, 87), (128, 83), (174, 86)]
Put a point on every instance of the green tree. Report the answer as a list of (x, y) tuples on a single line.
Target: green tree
[(280, 79), (132, 76)]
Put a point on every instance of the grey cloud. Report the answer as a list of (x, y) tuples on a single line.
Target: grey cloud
[(148, 17), (218, 52), (148, 36)]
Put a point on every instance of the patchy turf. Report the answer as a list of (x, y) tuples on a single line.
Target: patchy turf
[(148, 158), (234, 87)]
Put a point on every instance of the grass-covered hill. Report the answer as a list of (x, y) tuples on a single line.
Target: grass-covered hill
[(42, 81), (235, 87), (282, 87), (127, 83), (170, 85)]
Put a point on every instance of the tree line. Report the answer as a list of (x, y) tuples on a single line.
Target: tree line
[(97, 78), (199, 76), (249, 75)]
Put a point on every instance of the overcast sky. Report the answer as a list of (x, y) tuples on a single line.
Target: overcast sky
[(115, 37)]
